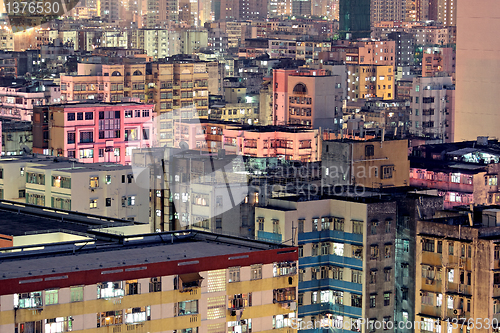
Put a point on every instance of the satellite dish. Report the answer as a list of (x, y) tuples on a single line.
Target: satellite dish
[(26, 150), (183, 145)]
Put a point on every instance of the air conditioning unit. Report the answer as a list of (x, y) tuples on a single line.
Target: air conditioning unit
[(458, 312)]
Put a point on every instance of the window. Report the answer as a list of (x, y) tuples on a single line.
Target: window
[(450, 248), (145, 133), (440, 247), (107, 179), (86, 137), (357, 227), (61, 182), (110, 289), (71, 116), (186, 308), (387, 227), (356, 300), (131, 201), (387, 274), (387, 298), (404, 294), (301, 226), (315, 225), (86, 153), (234, 274), (387, 171), (356, 276), (76, 294), (79, 116), (137, 315), (109, 318), (338, 224), (94, 181), (51, 297), (256, 272), (108, 202), (93, 203), (284, 294), (374, 252), (89, 115), (314, 249), (71, 138), (301, 251), (132, 287), (374, 227), (373, 277), (373, 301), (284, 268), (369, 150), (406, 245), (56, 325), (387, 251), (28, 300)]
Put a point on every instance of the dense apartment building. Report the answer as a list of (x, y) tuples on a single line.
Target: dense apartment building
[(457, 275), (290, 143), (93, 132), (367, 163), (17, 137), (305, 97), (370, 67), (178, 89), (438, 59), (301, 50), (98, 188), (161, 282), (432, 104), (355, 254), (464, 173)]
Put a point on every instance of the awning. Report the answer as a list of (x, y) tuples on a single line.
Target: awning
[(189, 278)]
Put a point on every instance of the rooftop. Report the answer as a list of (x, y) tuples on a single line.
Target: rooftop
[(18, 219), (184, 249)]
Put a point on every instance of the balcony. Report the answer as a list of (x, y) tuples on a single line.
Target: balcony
[(431, 311), (269, 237), (313, 309)]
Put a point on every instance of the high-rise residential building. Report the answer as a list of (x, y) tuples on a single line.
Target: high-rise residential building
[(388, 10), (476, 97), (354, 19), (457, 265), (355, 254), (191, 281), (447, 12), (301, 8), (311, 97), (371, 164), (160, 14), (93, 132), (432, 107), (97, 188)]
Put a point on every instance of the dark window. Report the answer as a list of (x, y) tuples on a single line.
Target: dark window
[(369, 150), (71, 153), (79, 116), (145, 133), (101, 114), (117, 114), (71, 116), (101, 152), (71, 138), (86, 137), (428, 245), (440, 247), (123, 178), (108, 202), (89, 115)]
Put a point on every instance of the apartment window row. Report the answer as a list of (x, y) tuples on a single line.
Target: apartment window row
[(327, 272), (375, 225), (375, 253), (128, 316), (432, 245), (387, 296), (326, 248), (61, 182), (71, 116), (331, 223)]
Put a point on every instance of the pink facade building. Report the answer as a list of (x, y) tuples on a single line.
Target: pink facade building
[(291, 143), (310, 97), (93, 132)]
